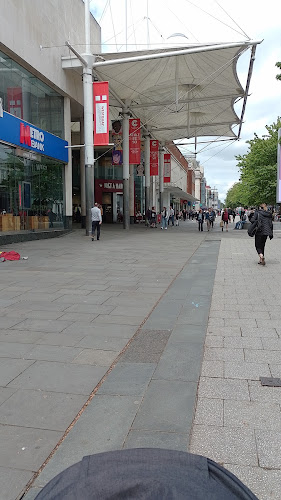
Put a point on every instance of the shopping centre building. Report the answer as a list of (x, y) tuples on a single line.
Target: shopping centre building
[(42, 144)]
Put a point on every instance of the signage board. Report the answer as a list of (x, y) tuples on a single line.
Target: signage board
[(154, 157), (20, 133)]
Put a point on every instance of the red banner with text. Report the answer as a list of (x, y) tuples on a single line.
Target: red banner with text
[(154, 162), (167, 167), (134, 141), (101, 113)]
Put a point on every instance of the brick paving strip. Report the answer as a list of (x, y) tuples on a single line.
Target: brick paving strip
[(238, 421)]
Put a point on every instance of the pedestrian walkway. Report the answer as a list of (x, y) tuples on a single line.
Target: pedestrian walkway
[(102, 346)]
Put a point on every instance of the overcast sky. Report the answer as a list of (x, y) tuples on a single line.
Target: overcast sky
[(207, 21)]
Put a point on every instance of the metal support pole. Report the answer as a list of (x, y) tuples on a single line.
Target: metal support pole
[(88, 120), (161, 176), (126, 169), (147, 171), (132, 194)]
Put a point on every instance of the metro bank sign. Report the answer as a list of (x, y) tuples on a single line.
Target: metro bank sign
[(20, 133), (32, 137)]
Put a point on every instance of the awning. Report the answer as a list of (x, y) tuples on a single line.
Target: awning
[(179, 193), (179, 93)]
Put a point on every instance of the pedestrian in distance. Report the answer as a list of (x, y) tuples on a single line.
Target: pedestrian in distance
[(265, 229), (225, 217), (153, 218), (171, 216), (164, 218), (207, 218), (96, 220), (200, 220)]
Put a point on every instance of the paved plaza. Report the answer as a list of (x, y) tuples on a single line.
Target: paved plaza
[(146, 338)]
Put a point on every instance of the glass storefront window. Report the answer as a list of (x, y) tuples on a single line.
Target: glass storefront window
[(31, 191), (27, 97)]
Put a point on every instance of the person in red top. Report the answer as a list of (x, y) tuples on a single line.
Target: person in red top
[(225, 217)]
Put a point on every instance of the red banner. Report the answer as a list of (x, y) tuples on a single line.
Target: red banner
[(134, 141), (101, 113), (167, 167), (15, 105), (154, 163)]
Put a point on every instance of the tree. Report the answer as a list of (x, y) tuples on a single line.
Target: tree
[(235, 196), (258, 168), (278, 65)]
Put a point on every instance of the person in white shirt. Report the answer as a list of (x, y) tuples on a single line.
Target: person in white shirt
[(96, 221)]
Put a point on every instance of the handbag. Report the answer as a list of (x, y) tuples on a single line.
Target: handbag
[(254, 227), (221, 223)]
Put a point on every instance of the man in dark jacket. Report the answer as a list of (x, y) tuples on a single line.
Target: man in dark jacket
[(264, 216)]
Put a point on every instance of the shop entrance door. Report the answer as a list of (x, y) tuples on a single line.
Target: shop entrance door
[(107, 208)]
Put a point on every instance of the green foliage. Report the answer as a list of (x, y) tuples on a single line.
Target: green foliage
[(278, 65), (258, 168)]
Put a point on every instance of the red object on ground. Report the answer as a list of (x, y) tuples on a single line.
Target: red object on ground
[(12, 255)]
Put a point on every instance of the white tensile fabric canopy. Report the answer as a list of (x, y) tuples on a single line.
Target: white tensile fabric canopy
[(179, 93)]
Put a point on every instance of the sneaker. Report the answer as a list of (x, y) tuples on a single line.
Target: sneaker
[(166, 228)]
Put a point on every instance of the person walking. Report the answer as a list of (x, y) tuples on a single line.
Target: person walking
[(207, 218), (264, 218), (200, 219), (164, 218), (96, 220), (225, 217), (171, 216)]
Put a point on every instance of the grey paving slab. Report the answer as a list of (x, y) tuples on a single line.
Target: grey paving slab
[(209, 412), (224, 445), (167, 406), (211, 369), (19, 336), (214, 341), (262, 356), (275, 369), (128, 379), (41, 409), (5, 393), (103, 343), (52, 353), (264, 394), (262, 482), (223, 354), (113, 417), (243, 370), (265, 332), (188, 333), (242, 343), (268, 445), (26, 448), (13, 482), (62, 339), (7, 322), (180, 362), (14, 349), (12, 368), (149, 439), (271, 344), (42, 325), (59, 377), (252, 414), (95, 357), (223, 389), (118, 320)]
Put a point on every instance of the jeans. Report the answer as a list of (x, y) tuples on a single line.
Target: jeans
[(96, 224), (164, 222), (200, 225)]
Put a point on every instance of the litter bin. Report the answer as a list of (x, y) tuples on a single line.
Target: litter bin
[(145, 473)]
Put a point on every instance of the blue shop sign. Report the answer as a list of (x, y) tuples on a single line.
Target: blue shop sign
[(18, 132)]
